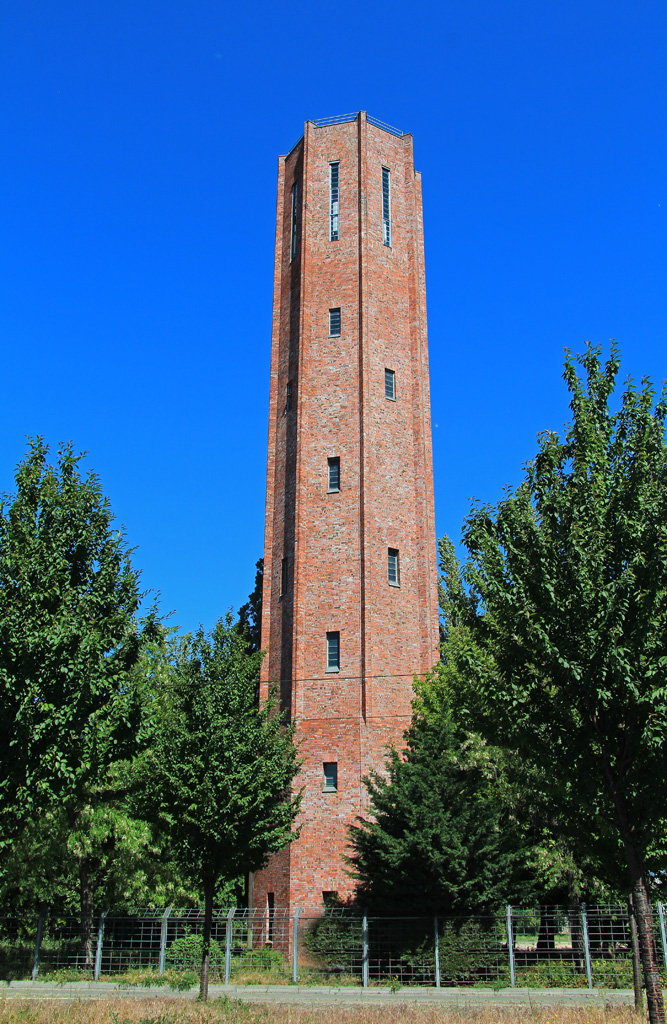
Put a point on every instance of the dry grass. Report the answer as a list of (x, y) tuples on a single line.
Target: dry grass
[(234, 1011)]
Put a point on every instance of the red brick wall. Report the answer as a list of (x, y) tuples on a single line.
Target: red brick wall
[(337, 543)]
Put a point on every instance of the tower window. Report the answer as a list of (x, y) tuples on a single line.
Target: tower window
[(295, 217), (284, 568), (386, 206), (330, 777), (333, 652), (390, 385), (334, 474), (334, 198), (392, 567), (288, 396), (334, 322)]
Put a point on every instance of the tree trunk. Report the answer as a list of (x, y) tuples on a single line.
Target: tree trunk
[(209, 886), (640, 901), (636, 963), (546, 937), (86, 905), (576, 934), (644, 919)]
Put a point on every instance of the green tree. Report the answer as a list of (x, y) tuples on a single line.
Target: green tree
[(445, 834), (250, 613), (558, 876), (69, 638), (567, 605), (219, 772)]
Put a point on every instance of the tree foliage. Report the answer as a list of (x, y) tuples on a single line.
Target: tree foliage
[(566, 606), (219, 772), (69, 637), (250, 613), (446, 835)]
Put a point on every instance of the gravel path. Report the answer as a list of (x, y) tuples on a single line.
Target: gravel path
[(321, 995)]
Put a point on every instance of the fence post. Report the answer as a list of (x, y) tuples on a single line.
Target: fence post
[(38, 942), (661, 914), (364, 957), (98, 951), (295, 946), (437, 953), (587, 950), (163, 940), (510, 946), (229, 928)]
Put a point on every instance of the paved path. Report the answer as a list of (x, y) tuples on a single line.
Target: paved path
[(321, 995)]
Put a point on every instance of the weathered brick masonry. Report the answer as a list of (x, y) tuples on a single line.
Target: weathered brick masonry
[(329, 400)]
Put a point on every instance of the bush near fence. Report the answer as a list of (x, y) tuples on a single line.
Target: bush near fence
[(548, 946)]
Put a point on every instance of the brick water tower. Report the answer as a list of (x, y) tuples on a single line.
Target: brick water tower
[(350, 611)]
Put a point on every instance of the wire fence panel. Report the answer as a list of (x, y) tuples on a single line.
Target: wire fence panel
[(330, 946), (131, 941), (61, 946), (185, 940), (17, 947), (401, 950), (473, 951), (574, 946), (260, 945)]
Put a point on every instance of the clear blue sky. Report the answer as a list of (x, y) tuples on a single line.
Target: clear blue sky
[(137, 183)]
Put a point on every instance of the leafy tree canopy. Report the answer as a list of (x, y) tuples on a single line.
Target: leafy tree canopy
[(219, 772), (70, 714), (68, 638), (565, 599)]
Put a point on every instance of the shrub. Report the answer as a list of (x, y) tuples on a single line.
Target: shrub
[(187, 950)]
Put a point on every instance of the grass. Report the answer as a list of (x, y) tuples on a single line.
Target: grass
[(235, 1011)]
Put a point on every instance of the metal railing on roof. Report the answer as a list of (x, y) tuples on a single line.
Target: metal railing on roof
[(324, 122)]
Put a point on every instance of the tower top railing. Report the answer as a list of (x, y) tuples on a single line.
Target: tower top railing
[(326, 122)]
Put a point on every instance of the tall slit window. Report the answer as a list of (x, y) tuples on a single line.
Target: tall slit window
[(334, 199), (390, 385), (333, 652), (288, 396), (295, 217), (392, 567), (284, 568), (334, 322), (386, 206), (334, 474), (330, 776)]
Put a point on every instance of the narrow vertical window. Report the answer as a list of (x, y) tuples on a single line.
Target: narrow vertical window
[(295, 216), (330, 777), (334, 322), (390, 385), (333, 652), (392, 567), (283, 575), (334, 198), (386, 206), (288, 396), (334, 474)]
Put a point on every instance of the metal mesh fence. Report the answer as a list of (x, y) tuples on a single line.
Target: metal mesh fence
[(17, 947), (545, 946), (60, 948), (330, 946)]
